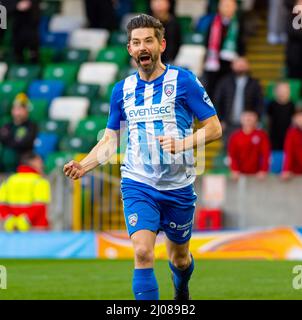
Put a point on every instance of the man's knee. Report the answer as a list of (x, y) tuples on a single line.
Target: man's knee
[(181, 260), (144, 255)]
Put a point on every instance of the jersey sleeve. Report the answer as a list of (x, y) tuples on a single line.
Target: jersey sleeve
[(115, 113), (198, 100)]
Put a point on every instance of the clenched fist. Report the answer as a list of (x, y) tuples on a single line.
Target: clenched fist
[(73, 170)]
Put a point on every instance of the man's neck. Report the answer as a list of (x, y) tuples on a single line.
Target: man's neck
[(158, 71), (248, 130)]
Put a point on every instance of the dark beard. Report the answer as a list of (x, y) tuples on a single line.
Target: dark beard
[(150, 68)]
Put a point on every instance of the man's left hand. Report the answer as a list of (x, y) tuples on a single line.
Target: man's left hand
[(170, 144)]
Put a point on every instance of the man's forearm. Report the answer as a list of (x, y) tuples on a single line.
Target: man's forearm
[(100, 154), (203, 136)]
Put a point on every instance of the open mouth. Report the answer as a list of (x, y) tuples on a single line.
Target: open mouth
[(145, 59)]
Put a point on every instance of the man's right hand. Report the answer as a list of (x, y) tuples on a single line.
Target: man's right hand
[(74, 170)]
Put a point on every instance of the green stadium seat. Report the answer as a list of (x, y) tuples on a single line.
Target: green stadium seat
[(140, 6), (97, 108), (61, 71), (118, 38), (50, 7), (59, 127), (24, 72), (193, 38), (38, 110), (8, 91), (91, 126), (77, 144), (4, 120), (75, 55), (107, 93), (115, 54), (185, 23), (90, 91), (47, 55), (57, 160), (295, 89)]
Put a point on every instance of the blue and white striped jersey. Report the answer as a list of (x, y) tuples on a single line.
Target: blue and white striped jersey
[(164, 106)]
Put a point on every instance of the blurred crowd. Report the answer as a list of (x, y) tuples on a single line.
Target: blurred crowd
[(254, 126)]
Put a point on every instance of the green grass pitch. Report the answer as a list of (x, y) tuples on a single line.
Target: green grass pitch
[(111, 280)]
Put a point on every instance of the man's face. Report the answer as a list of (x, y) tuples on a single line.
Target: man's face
[(249, 120), (240, 66), (160, 7), (227, 8), (19, 114), (283, 92), (145, 49), (298, 120)]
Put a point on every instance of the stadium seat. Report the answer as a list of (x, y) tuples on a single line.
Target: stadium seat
[(91, 126), (193, 38), (49, 8), (89, 91), (45, 143), (185, 23), (72, 109), (4, 119), (3, 69), (59, 127), (101, 73), (24, 72), (56, 40), (75, 55), (61, 71), (64, 23), (46, 89), (8, 90), (191, 56), (118, 38), (47, 55), (77, 144), (115, 54), (276, 162), (38, 110), (91, 39), (108, 92), (57, 160), (191, 8), (98, 107)]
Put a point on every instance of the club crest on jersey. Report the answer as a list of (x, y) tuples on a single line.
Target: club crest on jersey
[(133, 219), (169, 89)]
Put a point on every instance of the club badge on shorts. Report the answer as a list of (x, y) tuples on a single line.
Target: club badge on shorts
[(132, 218), (169, 89)]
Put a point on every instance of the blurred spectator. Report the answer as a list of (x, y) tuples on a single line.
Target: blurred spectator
[(293, 148), (17, 136), (280, 113), (101, 14), (171, 7), (160, 9), (25, 25), (294, 43), (276, 22), (237, 92), (224, 42), (249, 148), (24, 196)]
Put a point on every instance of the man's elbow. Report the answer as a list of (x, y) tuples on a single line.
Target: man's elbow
[(217, 132)]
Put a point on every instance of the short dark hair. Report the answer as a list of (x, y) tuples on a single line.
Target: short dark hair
[(146, 21), (27, 157)]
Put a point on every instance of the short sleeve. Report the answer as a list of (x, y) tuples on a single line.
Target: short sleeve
[(115, 113), (198, 100)]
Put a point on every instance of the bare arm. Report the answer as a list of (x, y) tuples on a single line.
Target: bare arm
[(210, 131), (100, 154)]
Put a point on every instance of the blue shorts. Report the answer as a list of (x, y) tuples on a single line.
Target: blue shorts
[(146, 208)]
